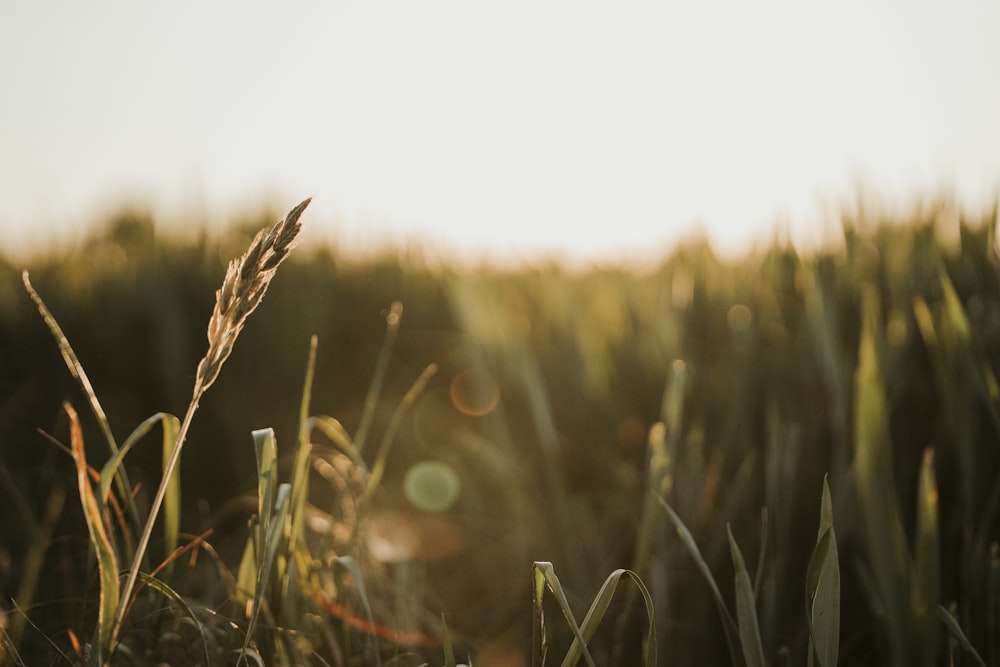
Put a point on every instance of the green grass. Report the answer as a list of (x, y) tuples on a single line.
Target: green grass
[(783, 459)]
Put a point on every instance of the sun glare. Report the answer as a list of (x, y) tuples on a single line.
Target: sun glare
[(498, 131)]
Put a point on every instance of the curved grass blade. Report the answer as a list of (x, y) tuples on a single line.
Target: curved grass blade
[(955, 629), (110, 470), (378, 467), (77, 372), (341, 439), (823, 588), (171, 426), (728, 624), (544, 575), (746, 608), (166, 591), (600, 607), (107, 561)]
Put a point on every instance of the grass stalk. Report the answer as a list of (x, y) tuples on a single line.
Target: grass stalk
[(245, 284)]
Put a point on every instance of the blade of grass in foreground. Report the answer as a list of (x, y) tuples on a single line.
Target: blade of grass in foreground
[(728, 624), (300, 469), (172, 499), (823, 588), (392, 322), (955, 629), (246, 282), (746, 608), (389, 437), (600, 607), (76, 371), (544, 575), (107, 561), (270, 509), (166, 591)]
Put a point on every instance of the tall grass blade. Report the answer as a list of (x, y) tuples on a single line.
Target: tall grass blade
[(660, 479), (662, 442), (246, 282), (389, 437), (300, 468), (107, 561), (109, 472), (598, 609), (746, 608), (728, 624), (246, 575), (268, 547), (266, 450), (873, 460), (926, 581), (539, 628), (392, 322), (80, 375), (172, 497), (955, 629), (544, 576), (823, 588)]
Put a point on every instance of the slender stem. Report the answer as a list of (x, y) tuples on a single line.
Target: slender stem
[(154, 510)]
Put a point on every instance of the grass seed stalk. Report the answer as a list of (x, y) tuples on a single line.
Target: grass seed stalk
[(246, 282)]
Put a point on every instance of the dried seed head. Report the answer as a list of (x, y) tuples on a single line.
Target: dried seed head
[(246, 281)]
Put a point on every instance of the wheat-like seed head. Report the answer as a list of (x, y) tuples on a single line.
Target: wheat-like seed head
[(247, 279)]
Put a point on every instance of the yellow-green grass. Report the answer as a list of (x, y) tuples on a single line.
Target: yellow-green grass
[(633, 461)]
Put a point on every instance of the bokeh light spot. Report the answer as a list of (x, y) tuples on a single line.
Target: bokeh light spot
[(392, 538), (431, 486), (474, 393), (739, 317)]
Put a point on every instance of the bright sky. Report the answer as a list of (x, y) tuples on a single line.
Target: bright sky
[(504, 129)]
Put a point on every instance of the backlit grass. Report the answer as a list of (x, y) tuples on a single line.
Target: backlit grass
[(778, 460)]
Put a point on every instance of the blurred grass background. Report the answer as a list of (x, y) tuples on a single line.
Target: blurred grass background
[(549, 382)]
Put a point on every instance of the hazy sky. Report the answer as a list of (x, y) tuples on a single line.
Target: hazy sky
[(493, 127)]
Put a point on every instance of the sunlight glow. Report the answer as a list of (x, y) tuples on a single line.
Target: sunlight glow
[(503, 131)]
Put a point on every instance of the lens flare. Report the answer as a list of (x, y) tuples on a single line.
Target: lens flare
[(431, 486), (474, 393)]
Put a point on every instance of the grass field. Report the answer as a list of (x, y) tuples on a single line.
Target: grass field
[(777, 460)]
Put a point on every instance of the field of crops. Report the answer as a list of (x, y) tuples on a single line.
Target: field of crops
[(777, 460)]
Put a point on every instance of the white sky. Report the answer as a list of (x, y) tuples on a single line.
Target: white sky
[(498, 128)]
